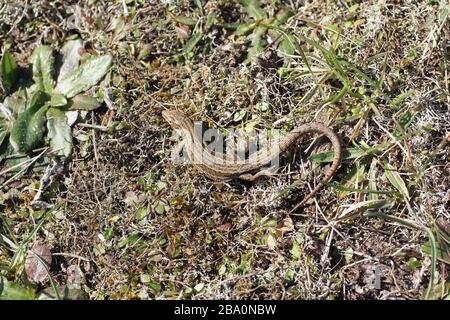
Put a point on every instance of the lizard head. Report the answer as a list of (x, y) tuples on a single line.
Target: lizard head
[(177, 119)]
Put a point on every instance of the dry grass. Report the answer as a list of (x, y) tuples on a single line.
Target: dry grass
[(141, 227)]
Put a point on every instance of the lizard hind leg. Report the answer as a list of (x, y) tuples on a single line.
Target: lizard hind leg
[(268, 172)]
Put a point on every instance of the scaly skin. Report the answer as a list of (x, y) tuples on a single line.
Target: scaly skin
[(217, 168)]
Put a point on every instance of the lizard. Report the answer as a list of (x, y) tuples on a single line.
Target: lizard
[(218, 169)]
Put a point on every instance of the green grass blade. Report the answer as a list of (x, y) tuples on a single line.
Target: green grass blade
[(432, 241), (192, 42), (369, 191), (373, 180), (396, 180)]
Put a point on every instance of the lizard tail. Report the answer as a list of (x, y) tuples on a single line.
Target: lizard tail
[(334, 166), (310, 195)]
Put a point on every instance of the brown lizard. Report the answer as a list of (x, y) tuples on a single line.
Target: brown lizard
[(216, 168)]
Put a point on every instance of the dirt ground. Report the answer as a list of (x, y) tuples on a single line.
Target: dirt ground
[(134, 225)]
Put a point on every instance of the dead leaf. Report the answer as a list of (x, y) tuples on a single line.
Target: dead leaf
[(35, 268), (224, 227), (211, 7), (156, 258), (133, 200), (183, 31)]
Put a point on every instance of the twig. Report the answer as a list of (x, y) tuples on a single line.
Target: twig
[(94, 144), (71, 255)]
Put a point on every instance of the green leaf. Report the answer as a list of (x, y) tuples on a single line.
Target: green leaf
[(229, 26), (192, 42), (159, 207), (29, 129), (43, 68), (238, 116), (348, 254), (85, 76), (257, 43), (83, 102), (398, 100), (13, 291), (5, 147), (154, 287), (262, 106), (411, 55), (38, 99), (141, 214), (353, 8), (99, 249), (109, 233), (211, 20), (244, 28), (405, 119), (9, 72), (295, 250), (59, 132), (131, 240), (184, 20), (3, 133), (253, 9), (58, 100), (145, 278), (288, 45), (395, 179), (289, 276), (414, 264), (199, 287), (12, 106), (6, 115), (199, 6), (64, 293), (403, 222), (70, 58)]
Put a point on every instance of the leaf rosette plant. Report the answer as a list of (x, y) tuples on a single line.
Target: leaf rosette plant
[(37, 115)]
